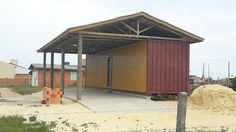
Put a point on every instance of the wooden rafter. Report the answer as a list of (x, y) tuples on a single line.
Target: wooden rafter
[(129, 27), (120, 29), (145, 29)]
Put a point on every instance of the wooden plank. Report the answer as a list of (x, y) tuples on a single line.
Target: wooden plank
[(79, 66), (62, 70), (44, 68), (52, 70), (129, 36), (125, 37), (107, 40)]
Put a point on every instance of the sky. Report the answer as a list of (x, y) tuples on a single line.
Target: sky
[(27, 25)]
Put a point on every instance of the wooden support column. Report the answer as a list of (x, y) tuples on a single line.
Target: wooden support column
[(44, 68), (63, 70), (52, 69), (79, 69)]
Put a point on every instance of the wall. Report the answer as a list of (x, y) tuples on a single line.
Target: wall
[(168, 66), (96, 71), (129, 68), (57, 78), (6, 70), (17, 81)]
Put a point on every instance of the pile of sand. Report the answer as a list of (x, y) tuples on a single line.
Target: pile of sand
[(213, 97), (6, 92)]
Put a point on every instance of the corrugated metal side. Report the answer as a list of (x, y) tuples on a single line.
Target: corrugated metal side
[(96, 71), (168, 66), (128, 71)]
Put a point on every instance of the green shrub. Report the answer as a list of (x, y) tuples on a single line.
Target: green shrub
[(26, 90), (32, 118), (18, 124)]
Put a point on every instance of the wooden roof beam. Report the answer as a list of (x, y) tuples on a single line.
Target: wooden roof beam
[(130, 36), (109, 37)]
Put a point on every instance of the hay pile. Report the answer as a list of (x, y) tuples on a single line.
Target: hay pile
[(213, 97)]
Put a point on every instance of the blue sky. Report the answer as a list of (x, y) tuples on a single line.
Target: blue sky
[(26, 25)]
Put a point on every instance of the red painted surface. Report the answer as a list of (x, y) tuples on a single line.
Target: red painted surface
[(57, 78), (167, 66)]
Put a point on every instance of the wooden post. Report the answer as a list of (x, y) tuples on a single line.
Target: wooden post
[(52, 69), (63, 70), (181, 112), (44, 68), (79, 68)]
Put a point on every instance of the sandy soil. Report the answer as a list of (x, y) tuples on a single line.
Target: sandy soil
[(217, 97), (70, 116)]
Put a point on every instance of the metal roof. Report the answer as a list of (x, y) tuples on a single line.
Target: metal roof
[(117, 32)]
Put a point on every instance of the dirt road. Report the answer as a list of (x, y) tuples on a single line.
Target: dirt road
[(72, 116)]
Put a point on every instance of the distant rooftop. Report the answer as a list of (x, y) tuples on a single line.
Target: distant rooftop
[(18, 70), (48, 66)]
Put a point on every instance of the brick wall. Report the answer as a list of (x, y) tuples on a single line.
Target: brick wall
[(57, 78), (18, 81)]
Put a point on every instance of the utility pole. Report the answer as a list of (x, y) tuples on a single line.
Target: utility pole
[(228, 81), (208, 73), (203, 72)]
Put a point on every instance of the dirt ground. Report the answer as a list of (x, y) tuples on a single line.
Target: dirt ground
[(72, 116)]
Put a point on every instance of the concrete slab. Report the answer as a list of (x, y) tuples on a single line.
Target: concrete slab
[(99, 100)]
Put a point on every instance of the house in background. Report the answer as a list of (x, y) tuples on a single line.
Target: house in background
[(19, 71), (37, 75), (11, 74), (6, 70), (195, 81)]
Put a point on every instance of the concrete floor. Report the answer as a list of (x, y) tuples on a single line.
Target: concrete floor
[(99, 100)]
